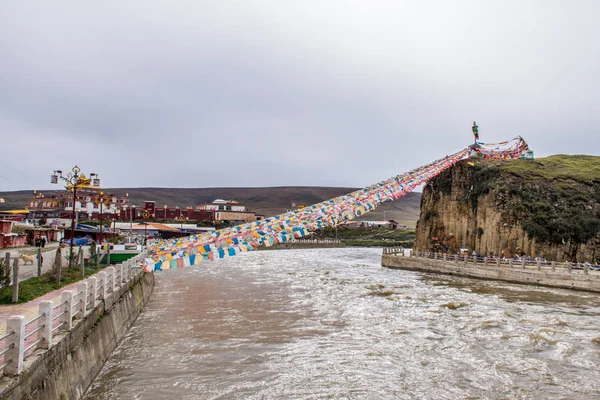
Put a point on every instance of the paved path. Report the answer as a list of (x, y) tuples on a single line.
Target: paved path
[(30, 309), (29, 270)]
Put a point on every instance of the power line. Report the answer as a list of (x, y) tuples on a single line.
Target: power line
[(21, 173), (8, 179)]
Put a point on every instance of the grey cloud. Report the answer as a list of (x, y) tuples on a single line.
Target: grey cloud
[(257, 93)]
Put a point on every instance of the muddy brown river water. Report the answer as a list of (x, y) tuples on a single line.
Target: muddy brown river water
[(334, 324)]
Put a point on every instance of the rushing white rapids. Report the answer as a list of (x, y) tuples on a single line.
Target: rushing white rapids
[(332, 323)]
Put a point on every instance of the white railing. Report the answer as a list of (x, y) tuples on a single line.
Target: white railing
[(523, 263), (23, 337)]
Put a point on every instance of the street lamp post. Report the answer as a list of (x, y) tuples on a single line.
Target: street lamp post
[(101, 197), (73, 180), (100, 227), (146, 214), (181, 218)]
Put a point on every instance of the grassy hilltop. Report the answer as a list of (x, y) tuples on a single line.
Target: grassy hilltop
[(579, 168), (556, 198), (548, 206)]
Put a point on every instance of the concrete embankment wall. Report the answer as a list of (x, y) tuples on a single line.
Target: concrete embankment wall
[(516, 274), (69, 367), (281, 246)]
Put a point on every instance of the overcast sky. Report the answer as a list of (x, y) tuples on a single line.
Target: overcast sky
[(262, 93)]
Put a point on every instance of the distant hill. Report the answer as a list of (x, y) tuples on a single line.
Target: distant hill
[(267, 201)]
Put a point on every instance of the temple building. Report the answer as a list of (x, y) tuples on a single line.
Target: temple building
[(59, 205), (218, 210)]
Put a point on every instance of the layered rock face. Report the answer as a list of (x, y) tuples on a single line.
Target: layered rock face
[(548, 207)]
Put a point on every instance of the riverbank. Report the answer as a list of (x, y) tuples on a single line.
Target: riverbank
[(306, 244), (559, 276), (75, 343)]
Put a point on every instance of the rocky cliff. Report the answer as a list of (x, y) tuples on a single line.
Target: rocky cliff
[(549, 207)]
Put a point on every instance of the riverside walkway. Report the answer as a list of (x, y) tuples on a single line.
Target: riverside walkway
[(565, 275), (36, 325)]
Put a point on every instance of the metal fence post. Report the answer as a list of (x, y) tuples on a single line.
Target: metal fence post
[(67, 317), (16, 343), (58, 258), (108, 254), (82, 287), (7, 266), (46, 307), (81, 262), (15, 283), (539, 264), (39, 262)]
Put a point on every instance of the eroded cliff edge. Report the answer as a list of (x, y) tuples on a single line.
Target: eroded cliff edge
[(549, 207)]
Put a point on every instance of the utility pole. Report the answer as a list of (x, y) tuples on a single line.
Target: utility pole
[(74, 180)]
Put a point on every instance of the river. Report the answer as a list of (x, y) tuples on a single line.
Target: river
[(334, 324)]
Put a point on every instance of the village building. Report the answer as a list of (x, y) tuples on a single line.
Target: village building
[(8, 238), (217, 210), (228, 210), (59, 206), (388, 224), (34, 233), (56, 209)]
